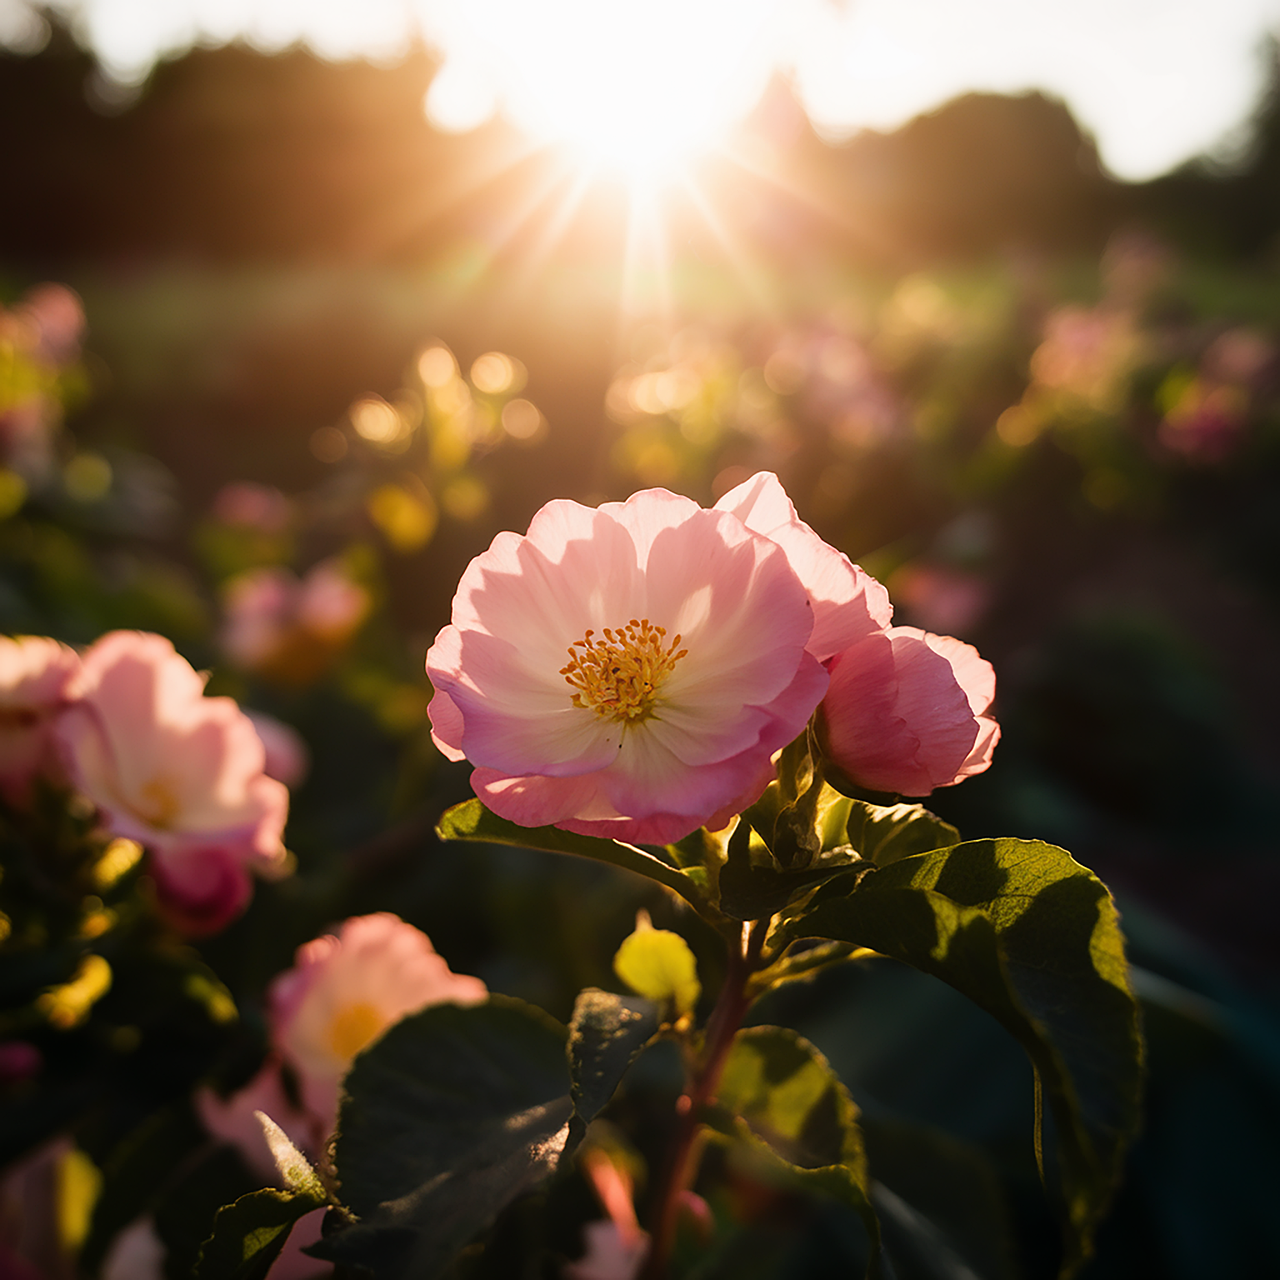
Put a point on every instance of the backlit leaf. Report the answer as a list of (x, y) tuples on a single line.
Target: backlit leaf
[(1032, 937)]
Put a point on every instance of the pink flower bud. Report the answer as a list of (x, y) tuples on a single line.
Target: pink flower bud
[(906, 712)]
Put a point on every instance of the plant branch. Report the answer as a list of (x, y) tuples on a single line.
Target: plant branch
[(704, 1079)]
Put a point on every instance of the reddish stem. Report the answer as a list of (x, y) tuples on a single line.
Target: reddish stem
[(682, 1159)]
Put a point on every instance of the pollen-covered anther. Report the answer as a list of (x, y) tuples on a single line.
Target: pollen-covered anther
[(620, 673)]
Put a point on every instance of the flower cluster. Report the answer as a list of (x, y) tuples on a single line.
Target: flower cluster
[(699, 643), (127, 726)]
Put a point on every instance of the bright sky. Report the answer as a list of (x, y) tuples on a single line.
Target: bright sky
[(1156, 81)]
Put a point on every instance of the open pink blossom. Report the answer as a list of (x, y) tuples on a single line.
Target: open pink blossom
[(626, 671), (907, 712), (346, 989), (34, 675), (848, 604), (180, 773)]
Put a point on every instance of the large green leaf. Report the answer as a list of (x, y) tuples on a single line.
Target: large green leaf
[(249, 1235), (784, 1100), (445, 1120), (885, 833), (470, 820), (606, 1033), (1032, 937)]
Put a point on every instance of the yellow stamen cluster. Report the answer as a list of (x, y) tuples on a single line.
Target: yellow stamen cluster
[(619, 674), (352, 1027), (158, 803)]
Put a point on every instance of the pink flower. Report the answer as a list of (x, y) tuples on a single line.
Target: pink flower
[(34, 675), (628, 671), (346, 989), (137, 1253), (907, 712), (610, 1255), (291, 629), (253, 506), (180, 773)]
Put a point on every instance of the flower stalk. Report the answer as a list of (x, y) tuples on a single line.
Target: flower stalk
[(704, 1079)]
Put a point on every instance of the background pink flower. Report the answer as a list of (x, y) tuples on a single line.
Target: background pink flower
[(626, 671), (291, 628), (346, 989), (180, 773), (34, 675), (343, 991), (907, 712)]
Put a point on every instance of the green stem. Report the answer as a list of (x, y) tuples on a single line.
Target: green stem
[(682, 1160)]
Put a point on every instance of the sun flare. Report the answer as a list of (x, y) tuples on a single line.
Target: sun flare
[(635, 90)]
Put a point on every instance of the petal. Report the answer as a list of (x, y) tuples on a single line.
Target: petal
[(524, 723), (975, 675), (201, 890), (446, 726), (848, 603)]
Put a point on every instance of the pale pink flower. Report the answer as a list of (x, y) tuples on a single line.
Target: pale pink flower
[(907, 712), (346, 989), (610, 1254), (848, 604), (137, 1253), (34, 675), (253, 506), (291, 628), (626, 671), (58, 317), (180, 773)]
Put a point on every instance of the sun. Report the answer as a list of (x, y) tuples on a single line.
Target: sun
[(633, 89)]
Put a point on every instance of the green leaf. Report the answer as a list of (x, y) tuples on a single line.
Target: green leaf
[(791, 1108), (606, 1034), (885, 833), (658, 964), (445, 1120), (249, 1235), (294, 1168), (470, 820), (1032, 937)]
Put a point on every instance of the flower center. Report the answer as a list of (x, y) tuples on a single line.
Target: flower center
[(353, 1026), (158, 804), (619, 674)]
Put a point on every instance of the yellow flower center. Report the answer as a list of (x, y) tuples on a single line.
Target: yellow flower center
[(353, 1026), (159, 804), (619, 674)]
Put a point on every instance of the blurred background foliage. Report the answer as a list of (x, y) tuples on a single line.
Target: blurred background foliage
[(326, 353)]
